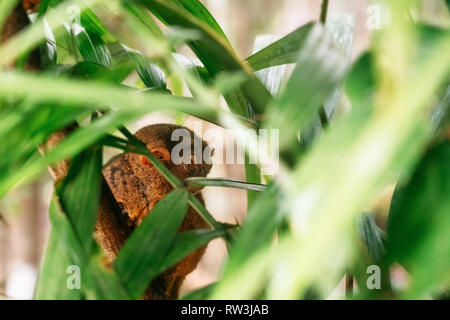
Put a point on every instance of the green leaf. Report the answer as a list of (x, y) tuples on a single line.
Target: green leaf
[(283, 51), (336, 170), (53, 273), (258, 230), (419, 221), (198, 10), (141, 257), (25, 125), (33, 35), (72, 145), (201, 210), (48, 52), (373, 237), (44, 88), (374, 253), (6, 7), (97, 282), (94, 71), (440, 115), (216, 55), (224, 182), (144, 18), (360, 84), (88, 19), (321, 67), (91, 46), (200, 294), (150, 73), (80, 193)]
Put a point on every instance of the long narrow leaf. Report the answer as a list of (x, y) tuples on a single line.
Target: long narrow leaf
[(53, 276), (421, 208), (283, 51), (80, 193), (222, 182), (141, 257)]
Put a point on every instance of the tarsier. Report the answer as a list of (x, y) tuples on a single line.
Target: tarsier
[(137, 186), (131, 186)]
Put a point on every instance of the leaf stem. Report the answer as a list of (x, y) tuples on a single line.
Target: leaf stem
[(349, 285), (323, 18), (324, 11)]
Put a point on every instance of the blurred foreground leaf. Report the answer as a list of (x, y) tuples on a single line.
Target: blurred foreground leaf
[(419, 223), (80, 193)]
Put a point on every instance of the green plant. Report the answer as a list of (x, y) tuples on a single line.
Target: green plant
[(313, 203)]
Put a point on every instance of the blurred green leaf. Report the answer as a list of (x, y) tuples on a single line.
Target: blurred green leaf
[(6, 7), (131, 104), (150, 73), (88, 19), (53, 277), (200, 294), (419, 220), (91, 46), (32, 36), (24, 125), (440, 115), (372, 236), (141, 257), (344, 171), (198, 10), (360, 83), (284, 51), (321, 67), (94, 71), (144, 18), (373, 252), (258, 230), (44, 88)]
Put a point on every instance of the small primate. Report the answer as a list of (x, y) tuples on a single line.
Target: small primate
[(137, 186)]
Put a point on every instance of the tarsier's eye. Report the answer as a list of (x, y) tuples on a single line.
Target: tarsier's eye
[(161, 153)]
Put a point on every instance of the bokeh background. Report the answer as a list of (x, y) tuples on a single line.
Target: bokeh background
[(24, 227)]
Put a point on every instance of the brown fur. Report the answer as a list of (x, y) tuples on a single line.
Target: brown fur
[(137, 187)]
